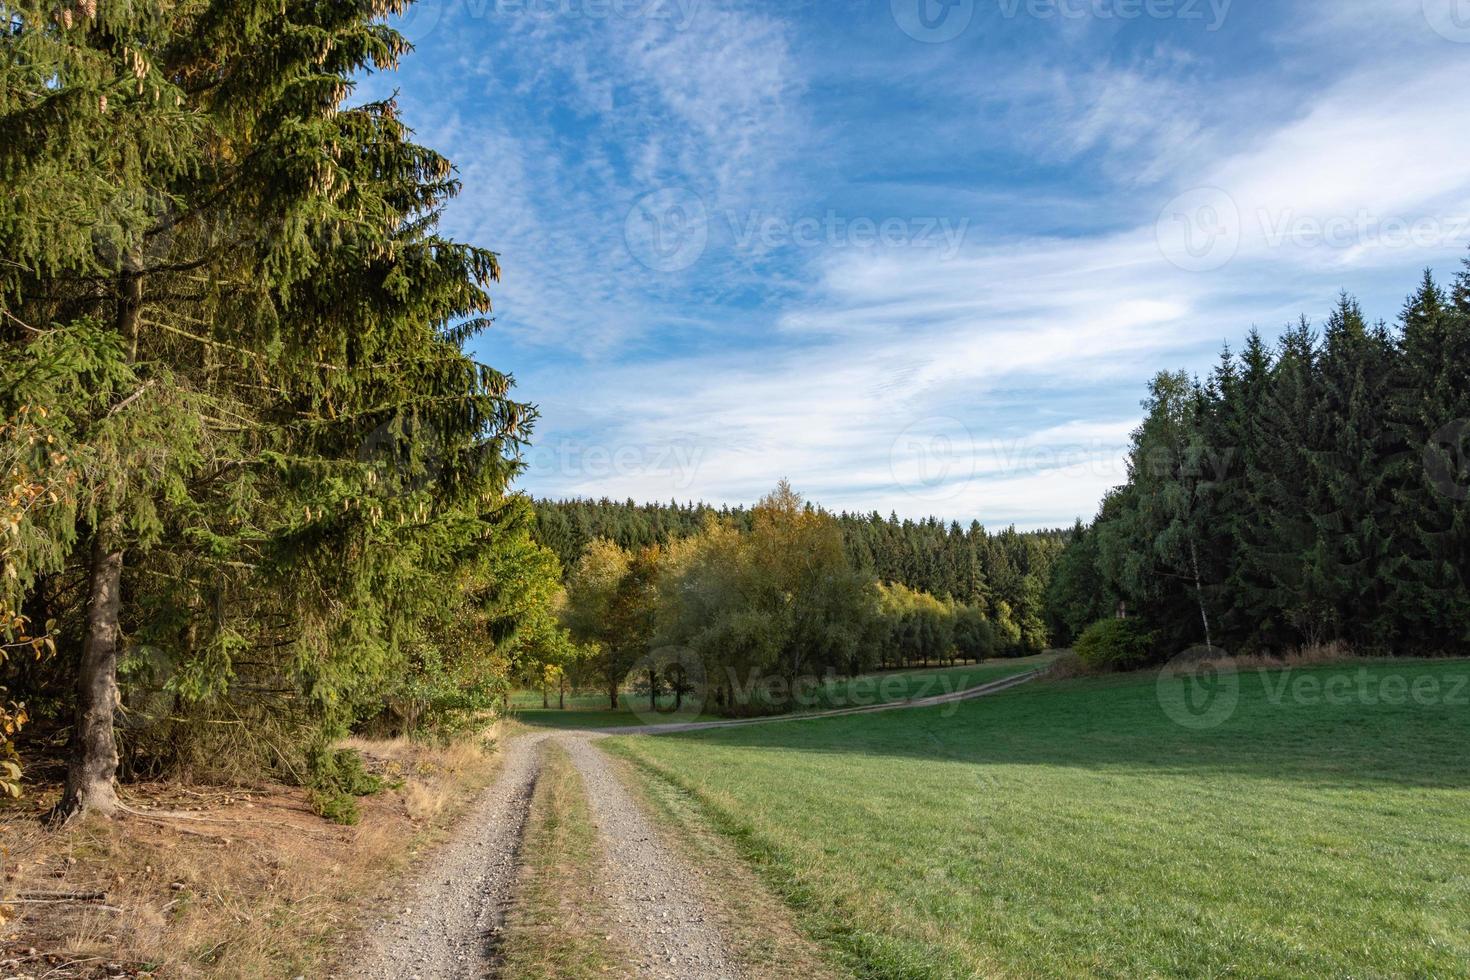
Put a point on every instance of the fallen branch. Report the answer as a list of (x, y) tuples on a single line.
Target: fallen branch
[(58, 901), (164, 815)]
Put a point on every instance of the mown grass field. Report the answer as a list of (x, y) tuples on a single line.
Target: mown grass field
[(1074, 827), (589, 710)]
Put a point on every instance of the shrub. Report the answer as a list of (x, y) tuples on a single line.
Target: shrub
[(1115, 644), (334, 806), (352, 777), (339, 776), (1067, 666)]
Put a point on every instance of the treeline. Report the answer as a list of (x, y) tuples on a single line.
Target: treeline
[(1004, 575), (1307, 493), (768, 594), (256, 491)]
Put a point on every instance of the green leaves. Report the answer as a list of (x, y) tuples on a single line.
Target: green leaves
[(1288, 502), (220, 283)]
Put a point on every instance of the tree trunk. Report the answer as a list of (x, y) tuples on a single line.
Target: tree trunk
[(652, 690), (92, 769), (561, 694), (1199, 595)]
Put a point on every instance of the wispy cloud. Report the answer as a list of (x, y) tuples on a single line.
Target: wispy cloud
[(1126, 201)]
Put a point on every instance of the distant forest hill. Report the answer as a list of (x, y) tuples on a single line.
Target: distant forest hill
[(970, 565)]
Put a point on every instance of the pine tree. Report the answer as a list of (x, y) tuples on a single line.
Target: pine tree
[(1430, 542), (260, 339), (1356, 385), (1282, 543), (1246, 612)]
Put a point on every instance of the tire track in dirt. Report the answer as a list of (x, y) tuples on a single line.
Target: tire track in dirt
[(654, 901), (452, 917)]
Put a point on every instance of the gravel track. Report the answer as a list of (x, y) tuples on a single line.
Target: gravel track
[(452, 917), (453, 914), (450, 920), (653, 900), (968, 694)]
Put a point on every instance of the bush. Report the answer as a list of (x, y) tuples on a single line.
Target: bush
[(1007, 631), (339, 776), (336, 807), (1115, 644)]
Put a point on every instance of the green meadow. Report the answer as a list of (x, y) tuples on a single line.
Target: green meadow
[(590, 710), (1303, 822)]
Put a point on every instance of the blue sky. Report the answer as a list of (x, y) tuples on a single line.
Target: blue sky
[(920, 255)]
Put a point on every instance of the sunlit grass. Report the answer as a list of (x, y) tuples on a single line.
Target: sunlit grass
[(590, 710), (1074, 827)]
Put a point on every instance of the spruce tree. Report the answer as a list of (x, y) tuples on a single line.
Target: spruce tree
[(1351, 467), (238, 302), (1281, 543), (1430, 542)]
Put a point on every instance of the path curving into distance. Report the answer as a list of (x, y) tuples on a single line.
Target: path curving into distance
[(451, 916), (968, 694)]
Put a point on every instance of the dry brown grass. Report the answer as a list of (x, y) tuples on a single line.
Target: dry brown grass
[(235, 882), (1070, 665), (1317, 654)]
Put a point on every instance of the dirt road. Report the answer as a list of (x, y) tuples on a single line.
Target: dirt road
[(451, 920), (968, 694)]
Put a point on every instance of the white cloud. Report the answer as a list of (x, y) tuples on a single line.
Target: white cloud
[(899, 378)]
